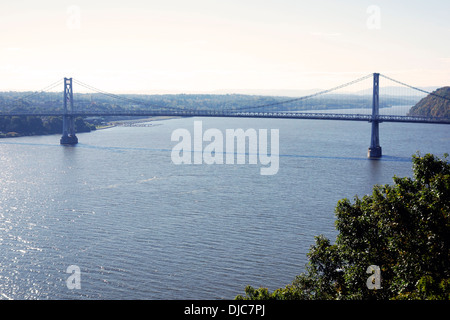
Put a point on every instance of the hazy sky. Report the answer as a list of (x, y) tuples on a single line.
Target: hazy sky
[(207, 45)]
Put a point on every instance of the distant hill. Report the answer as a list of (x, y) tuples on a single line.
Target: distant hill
[(436, 104)]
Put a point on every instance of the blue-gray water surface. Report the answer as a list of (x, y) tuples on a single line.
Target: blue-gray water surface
[(140, 227)]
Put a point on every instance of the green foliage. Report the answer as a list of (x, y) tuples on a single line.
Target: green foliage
[(31, 125), (402, 228), (434, 105)]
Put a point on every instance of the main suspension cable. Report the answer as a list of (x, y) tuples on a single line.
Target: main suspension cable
[(304, 97)]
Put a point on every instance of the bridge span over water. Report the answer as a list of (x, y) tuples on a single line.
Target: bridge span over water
[(69, 113)]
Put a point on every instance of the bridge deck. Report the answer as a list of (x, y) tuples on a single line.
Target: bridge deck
[(279, 115)]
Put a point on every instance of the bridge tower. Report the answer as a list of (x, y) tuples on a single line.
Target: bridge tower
[(68, 135), (375, 148)]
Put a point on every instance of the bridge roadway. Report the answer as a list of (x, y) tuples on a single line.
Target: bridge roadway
[(243, 114)]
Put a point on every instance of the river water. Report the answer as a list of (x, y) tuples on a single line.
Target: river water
[(140, 227)]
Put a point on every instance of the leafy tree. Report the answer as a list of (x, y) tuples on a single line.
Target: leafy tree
[(402, 228), (16, 124), (32, 125), (82, 126), (53, 124)]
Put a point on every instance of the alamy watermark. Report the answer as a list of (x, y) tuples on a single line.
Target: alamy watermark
[(74, 280), (73, 21), (373, 21), (374, 281), (190, 148)]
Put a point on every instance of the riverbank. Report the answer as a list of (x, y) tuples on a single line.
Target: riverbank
[(137, 122), (107, 125), (134, 122)]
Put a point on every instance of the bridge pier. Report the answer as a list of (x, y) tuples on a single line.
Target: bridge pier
[(374, 151), (375, 148), (68, 134)]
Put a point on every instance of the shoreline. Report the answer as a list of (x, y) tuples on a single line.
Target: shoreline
[(136, 122), (108, 125)]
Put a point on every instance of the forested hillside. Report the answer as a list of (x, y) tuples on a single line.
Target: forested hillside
[(436, 104)]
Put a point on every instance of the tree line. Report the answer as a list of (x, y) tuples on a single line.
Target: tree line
[(32, 125)]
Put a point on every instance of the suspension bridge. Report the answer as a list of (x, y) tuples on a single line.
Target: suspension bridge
[(313, 107)]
